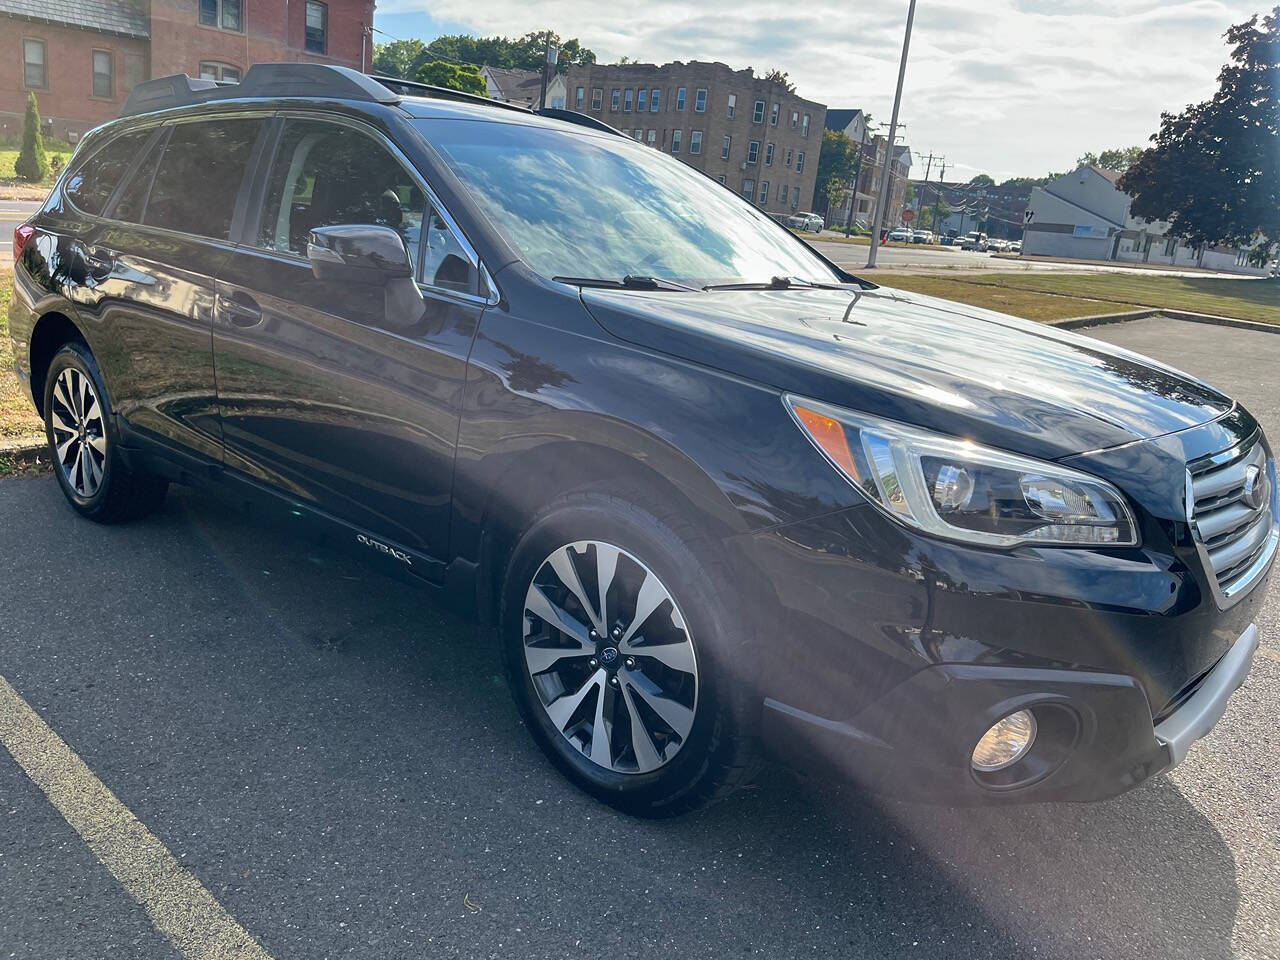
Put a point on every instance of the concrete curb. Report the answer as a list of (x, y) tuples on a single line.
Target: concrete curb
[(22, 451), (1102, 319)]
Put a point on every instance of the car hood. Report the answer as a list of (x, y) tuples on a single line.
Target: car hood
[(933, 363)]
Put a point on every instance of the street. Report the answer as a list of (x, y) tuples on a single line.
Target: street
[(12, 213), (338, 762)]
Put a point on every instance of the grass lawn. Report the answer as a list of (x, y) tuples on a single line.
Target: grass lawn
[(9, 156), (18, 420), (1055, 296)]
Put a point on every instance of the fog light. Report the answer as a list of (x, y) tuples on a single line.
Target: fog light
[(1005, 743)]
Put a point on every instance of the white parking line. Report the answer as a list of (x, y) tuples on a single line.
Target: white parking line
[(178, 905)]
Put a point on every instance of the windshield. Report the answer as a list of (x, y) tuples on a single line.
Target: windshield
[(598, 205)]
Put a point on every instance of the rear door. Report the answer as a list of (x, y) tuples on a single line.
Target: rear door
[(318, 398), (166, 233)]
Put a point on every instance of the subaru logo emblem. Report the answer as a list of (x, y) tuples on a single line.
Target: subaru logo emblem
[(1255, 488), (608, 654)]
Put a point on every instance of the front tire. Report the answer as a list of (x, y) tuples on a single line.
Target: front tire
[(84, 444), (631, 690)]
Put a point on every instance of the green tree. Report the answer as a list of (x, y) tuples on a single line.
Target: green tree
[(455, 76), (837, 160), (781, 78), (982, 180), (1213, 171), (32, 164), (1119, 159), (932, 215), (397, 58), (526, 53)]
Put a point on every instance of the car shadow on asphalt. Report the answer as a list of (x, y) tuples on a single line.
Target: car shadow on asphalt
[(326, 745)]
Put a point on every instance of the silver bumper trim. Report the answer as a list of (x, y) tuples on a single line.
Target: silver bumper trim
[(1195, 718)]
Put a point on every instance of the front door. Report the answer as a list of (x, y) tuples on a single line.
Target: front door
[(320, 399)]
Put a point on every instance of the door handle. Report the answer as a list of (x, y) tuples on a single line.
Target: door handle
[(240, 309)]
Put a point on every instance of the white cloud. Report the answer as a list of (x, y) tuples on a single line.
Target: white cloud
[(1003, 86)]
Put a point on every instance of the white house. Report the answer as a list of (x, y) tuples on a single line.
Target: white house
[(1083, 215), (523, 86)]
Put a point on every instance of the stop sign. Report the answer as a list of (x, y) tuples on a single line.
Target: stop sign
[(908, 216)]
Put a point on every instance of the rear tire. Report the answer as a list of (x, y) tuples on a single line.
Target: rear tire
[(84, 444), (671, 697)]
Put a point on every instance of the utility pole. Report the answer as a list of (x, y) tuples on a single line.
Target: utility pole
[(857, 176), (893, 132), (937, 201)]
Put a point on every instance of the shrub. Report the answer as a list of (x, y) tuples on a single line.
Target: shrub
[(32, 164)]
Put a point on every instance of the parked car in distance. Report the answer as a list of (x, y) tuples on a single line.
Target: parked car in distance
[(810, 222), (996, 245), (922, 236), (900, 235), (950, 239), (945, 553), (1015, 246), (975, 241)]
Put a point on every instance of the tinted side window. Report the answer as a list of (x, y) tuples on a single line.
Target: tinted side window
[(325, 174), (195, 188), (90, 186), (132, 201)]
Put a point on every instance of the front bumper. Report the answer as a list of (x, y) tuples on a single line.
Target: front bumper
[(1096, 740)]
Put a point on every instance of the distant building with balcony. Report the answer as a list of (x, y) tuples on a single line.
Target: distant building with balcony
[(751, 134)]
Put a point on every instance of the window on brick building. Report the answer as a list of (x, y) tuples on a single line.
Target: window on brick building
[(733, 104), (700, 102), (642, 100), (104, 74), (227, 14), (764, 192), (597, 98), (749, 189), (782, 196), (616, 100), (800, 162), (317, 38), (679, 98), (653, 100), (675, 141), (753, 151), (579, 95), (757, 113), (35, 75), (628, 98), (773, 116), (135, 70), (695, 141), (213, 70), (768, 154), (724, 148), (804, 126)]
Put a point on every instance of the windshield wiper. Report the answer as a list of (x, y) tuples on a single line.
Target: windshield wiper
[(629, 282), (778, 283)]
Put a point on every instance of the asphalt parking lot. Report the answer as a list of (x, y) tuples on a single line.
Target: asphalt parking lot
[(337, 762)]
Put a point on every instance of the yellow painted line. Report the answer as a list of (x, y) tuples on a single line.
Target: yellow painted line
[(178, 905)]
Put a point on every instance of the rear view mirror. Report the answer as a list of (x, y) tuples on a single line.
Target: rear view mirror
[(370, 256), (358, 253)]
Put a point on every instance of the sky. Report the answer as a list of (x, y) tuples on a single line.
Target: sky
[(1004, 87)]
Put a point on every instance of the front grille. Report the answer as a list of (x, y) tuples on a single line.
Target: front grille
[(1235, 536)]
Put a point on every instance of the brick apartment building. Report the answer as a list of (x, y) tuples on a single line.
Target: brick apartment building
[(82, 57), (864, 199), (742, 130)]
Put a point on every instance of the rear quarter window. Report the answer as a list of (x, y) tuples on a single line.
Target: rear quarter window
[(91, 184)]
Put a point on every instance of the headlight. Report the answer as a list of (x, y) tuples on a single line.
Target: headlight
[(959, 490)]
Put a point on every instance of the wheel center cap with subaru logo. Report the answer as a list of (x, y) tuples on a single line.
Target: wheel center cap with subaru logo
[(1255, 488), (608, 654)]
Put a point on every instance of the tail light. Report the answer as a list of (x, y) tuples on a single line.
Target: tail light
[(22, 235)]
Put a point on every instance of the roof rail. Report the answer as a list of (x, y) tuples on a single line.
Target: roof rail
[(261, 80), (412, 88), (581, 119)]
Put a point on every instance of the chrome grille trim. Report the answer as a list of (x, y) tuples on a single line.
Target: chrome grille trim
[(1235, 540)]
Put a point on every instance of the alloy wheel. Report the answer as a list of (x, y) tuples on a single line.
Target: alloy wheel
[(79, 432), (611, 657)]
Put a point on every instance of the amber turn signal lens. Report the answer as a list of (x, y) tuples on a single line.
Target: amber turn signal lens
[(830, 436)]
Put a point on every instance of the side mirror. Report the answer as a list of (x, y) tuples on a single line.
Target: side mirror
[(370, 256), (358, 253)]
